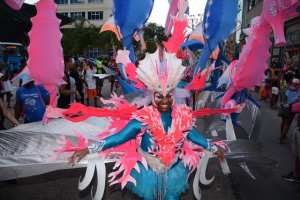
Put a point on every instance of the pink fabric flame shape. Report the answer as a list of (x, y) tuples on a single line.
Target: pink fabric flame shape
[(131, 157), (208, 111), (15, 4), (78, 112), (166, 144), (68, 146), (127, 163), (52, 113), (123, 58), (178, 35), (45, 61), (190, 155), (198, 81), (222, 144)]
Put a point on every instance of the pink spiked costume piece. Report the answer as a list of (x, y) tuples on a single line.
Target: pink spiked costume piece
[(45, 61), (248, 71)]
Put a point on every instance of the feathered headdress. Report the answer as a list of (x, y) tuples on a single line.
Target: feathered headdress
[(160, 74)]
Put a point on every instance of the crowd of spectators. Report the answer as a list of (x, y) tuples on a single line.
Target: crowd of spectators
[(283, 85), (79, 85)]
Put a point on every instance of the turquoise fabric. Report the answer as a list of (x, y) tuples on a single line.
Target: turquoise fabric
[(148, 181), (176, 181)]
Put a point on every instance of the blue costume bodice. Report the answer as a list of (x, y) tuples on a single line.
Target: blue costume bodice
[(134, 127), (170, 183)]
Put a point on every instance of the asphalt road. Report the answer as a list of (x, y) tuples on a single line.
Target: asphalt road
[(267, 185)]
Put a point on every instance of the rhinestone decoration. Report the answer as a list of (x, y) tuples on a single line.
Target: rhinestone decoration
[(279, 5), (273, 10)]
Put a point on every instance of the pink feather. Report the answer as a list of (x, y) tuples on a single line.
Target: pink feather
[(199, 80), (190, 157), (69, 146), (178, 35)]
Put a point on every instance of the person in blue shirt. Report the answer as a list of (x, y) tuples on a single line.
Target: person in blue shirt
[(33, 99)]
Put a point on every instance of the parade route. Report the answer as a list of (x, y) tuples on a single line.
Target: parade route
[(63, 184)]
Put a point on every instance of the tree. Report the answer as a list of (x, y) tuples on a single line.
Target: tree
[(153, 34), (84, 36)]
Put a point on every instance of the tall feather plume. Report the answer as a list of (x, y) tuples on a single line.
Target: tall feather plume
[(159, 76)]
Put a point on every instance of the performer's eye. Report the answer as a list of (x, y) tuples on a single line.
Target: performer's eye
[(170, 95), (158, 96)]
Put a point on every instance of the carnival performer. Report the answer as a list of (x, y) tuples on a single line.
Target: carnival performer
[(165, 128)]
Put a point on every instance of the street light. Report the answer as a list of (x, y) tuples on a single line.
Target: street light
[(193, 21)]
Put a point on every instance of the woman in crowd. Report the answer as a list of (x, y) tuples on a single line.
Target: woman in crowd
[(288, 115), (65, 90), (5, 114)]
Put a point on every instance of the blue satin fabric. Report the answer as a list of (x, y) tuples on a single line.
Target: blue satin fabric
[(134, 127), (172, 182)]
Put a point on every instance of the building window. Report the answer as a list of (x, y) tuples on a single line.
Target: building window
[(77, 15), (64, 14), (77, 1), (95, 15), (95, 1), (61, 1), (251, 4), (96, 52)]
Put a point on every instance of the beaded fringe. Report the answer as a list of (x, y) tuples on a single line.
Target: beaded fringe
[(160, 189)]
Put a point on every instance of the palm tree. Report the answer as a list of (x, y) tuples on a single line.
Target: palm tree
[(84, 36)]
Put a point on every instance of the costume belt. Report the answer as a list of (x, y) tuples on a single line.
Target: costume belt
[(155, 162)]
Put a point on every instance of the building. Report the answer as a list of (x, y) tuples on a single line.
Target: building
[(280, 56), (96, 11), (235, 41)]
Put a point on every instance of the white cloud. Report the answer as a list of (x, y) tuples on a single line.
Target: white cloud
[(160, 10)]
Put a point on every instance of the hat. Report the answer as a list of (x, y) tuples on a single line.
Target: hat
[(295, 80), (159, 76)]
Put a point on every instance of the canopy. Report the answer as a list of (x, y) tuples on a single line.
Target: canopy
[(15, 23)]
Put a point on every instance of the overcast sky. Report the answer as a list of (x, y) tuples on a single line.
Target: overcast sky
[(160, 9)]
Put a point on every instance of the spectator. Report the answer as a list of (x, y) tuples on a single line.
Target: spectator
[(105, 62), (33, 99), (99, 81), (275, 87), (113, 79), (5, 114), (112, 65), (65, 91), (6, 85), (80, 81), (273, 69), (295, 175), (72, 81), (288, 116), (22, 65), (292, 92), (90, 83)]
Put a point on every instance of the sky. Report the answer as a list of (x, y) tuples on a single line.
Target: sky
[(160, 9)]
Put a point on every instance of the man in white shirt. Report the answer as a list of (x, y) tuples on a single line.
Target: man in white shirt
[(90, 83)]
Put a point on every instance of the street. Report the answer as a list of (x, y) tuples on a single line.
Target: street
[(63, 184)]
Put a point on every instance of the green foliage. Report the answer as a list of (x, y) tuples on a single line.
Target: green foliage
[(85, 35), (153, 34)]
